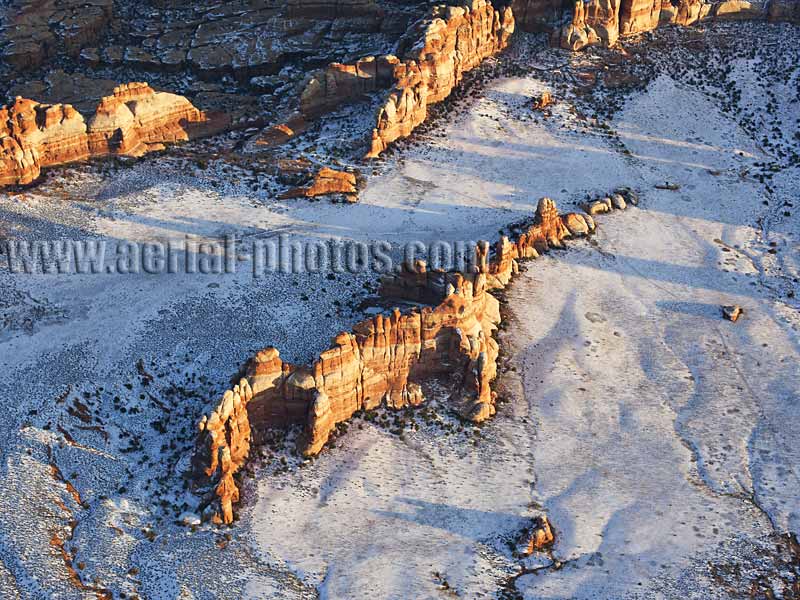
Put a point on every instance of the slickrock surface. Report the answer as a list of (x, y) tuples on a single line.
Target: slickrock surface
[(383, 361), (132, 121), (41, 29)]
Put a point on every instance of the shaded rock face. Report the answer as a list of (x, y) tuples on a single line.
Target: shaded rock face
[(131, 121), (340, 83), (604, 21), (540, 15), (38, 30), (383, 360), (454, 40), (241, 38), (331, 9), (784, 10)]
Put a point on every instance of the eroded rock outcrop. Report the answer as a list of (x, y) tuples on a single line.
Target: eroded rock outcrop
[(540, 537), (383, 360), (454, 40), (592, 22), (604, 21), (36, 31), (539, 15), (339, 83), (34, 135), (449, 42), (131, 121), (784, 10), (327, 182)]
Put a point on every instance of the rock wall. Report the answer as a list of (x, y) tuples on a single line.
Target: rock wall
[(540, 15), (383, 360), (784, 10), (340, 83), (132, 121), (449, 42), (452, 41), (327, 182), (604, 21)]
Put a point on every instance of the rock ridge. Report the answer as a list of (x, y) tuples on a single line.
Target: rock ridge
[(132, 121), (450, 41), (605, 21), (383, 360)]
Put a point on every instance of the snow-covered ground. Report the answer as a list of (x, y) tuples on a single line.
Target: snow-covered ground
[(657, 437)]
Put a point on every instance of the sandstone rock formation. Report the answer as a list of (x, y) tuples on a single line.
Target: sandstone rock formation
[(604, 21), (40, 30), (281, 133), (134, 119), (619, 200), (136, 116), (542, 101), (33, 135), (340, 83), (539, 15), (784, 10), (541, 537), (383, 360), (594, 21), (454, 40), (732, 313), (449, 42), (327, 181)]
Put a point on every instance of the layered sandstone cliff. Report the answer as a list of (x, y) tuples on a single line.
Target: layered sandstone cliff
[(327, 182), (382, 361), (449, 42), (604, 21), (539, 15), (133, 120), (339, 83), (454, 40)]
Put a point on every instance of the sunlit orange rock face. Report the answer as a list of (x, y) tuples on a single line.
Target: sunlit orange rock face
[(131, 121), (455, 39), (451, 41), (34, 135), (136, 116), (384, 360), (339, 83), (604, 21), (327, 181)]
